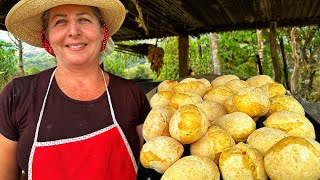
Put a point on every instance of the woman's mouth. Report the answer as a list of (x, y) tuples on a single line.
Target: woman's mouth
[(76, 46)]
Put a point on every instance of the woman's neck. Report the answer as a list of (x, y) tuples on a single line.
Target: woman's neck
[(87, 84)]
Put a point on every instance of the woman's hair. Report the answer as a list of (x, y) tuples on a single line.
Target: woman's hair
[(45, 19)]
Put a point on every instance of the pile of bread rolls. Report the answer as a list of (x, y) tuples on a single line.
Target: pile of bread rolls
[(217, 121)]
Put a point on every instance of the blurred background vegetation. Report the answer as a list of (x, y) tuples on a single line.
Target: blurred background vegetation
[(237, 54)]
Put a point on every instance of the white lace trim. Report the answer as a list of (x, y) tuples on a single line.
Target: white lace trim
[(133, 160), (37, 129), (69, 140)]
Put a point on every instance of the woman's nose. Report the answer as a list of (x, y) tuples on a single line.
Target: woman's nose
[(74, 29)]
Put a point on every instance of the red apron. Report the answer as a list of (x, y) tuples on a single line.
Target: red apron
[(101, 155)]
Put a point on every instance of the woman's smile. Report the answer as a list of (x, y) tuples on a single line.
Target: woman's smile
[(76, 46)]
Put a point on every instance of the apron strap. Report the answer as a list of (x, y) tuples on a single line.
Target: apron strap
[(35, 140), (118, 126)]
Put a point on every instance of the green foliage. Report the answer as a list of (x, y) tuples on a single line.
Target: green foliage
[(140, 72), (315, 95), (7, 63), (39, 59), (199, 50), (116, 63), (237, 53), (33, 70), (7, 58), (170, 69), (308, 45)]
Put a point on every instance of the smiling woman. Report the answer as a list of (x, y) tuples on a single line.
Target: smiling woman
[(74, 121), (75, 35)]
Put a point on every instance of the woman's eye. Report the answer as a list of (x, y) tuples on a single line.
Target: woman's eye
[(84, 20), (60, 21)]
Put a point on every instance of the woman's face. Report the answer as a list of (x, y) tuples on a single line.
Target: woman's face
[(75, 34)]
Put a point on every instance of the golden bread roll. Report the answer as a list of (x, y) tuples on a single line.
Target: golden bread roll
[(188, 124), (242, 161), (273, 89), (170, 109), (191, 84), (222, 80), (184, 98), (238, 124), (259, 80), (188, 79), (156, 123), (293, 158), (212, 143), (218, 94), (264, 138), (192, 168), (252, 101), (161, 98), (285, 103), (212, 109), (206, 83), (292, 123), (236, 84), (166, 85), (229, 105), (160, 153)]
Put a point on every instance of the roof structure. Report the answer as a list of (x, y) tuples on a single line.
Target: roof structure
[(163, 18)]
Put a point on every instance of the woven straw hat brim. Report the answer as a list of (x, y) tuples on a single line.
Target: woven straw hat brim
[(24, 19)]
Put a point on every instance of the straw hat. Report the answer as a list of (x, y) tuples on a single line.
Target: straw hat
[(24, 19)]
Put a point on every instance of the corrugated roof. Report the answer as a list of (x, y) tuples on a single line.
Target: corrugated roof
[(193, 17)]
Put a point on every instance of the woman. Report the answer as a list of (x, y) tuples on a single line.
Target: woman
[(74, 121)]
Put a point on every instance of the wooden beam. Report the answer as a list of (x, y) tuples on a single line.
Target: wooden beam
[(275, 9), (226, 10), (183, 43), (157, 20)]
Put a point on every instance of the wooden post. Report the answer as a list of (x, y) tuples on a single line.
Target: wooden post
[(274, 54), (214, 64), (183, 43)]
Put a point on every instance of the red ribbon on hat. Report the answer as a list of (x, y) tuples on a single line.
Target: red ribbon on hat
[(106, 36), (45, 43)]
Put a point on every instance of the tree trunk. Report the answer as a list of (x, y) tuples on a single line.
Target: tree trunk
[(307, 63), (260, 47), (285, 65), (294, 75), (18, 44), (274, 54), (260, 69), (20, 64), (214, 63), (183, 43), (200, 56)]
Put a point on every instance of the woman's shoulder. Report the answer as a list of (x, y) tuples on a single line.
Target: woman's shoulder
[(29, 83)]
